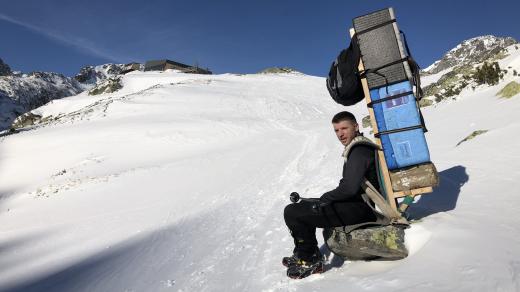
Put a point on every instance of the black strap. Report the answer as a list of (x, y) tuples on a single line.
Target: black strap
[(363, 73), (376, 26), (414, 67), (377, 135), (422, 120), (416, 80), (371, 104), (406, 44)]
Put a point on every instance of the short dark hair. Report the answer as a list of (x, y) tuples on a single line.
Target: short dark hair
[(344, 116)]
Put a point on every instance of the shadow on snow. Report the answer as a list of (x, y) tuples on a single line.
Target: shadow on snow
[(132, 264), (444, 197)]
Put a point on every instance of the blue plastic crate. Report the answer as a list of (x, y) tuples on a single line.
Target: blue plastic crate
[(404, 148)]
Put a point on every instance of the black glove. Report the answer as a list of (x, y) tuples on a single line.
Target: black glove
[(325, 198), (318, 205)]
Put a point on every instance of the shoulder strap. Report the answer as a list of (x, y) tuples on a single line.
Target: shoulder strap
[(371, 194), (359, 140)]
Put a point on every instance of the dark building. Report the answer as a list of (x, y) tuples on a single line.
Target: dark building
[(161, 65)]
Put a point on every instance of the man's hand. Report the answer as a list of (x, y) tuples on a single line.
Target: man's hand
[(325, 198)]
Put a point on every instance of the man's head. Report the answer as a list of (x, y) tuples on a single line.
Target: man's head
[(345, 126)]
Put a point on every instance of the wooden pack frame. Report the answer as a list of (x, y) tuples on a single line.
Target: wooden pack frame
[(391, 196)]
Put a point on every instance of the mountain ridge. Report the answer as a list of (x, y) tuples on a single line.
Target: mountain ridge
[(21, 93), (471, 51)]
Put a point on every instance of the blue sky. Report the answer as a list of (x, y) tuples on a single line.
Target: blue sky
[(229, 36)]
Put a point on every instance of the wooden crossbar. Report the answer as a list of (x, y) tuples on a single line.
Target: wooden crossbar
[(413, 192)]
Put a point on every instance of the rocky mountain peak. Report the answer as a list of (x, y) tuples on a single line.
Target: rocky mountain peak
[(472, 51), (5, 70), (92, 75)]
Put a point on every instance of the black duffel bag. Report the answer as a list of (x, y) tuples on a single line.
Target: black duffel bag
[(344, 82)]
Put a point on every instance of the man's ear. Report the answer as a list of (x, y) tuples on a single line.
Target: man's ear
[(357, 127)]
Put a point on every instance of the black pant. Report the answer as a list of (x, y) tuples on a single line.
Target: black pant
[(302, 219)]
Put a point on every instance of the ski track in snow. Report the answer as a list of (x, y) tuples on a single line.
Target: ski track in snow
[(178, 183)]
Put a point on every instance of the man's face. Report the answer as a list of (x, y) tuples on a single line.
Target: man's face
[(345, 131)]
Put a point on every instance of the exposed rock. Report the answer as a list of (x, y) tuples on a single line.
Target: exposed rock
[(275, 70), (5, 70), (132, 67), (37, 88), (366, 123), (380, 242), (510, 90), (86, 75), (472, 135), (424, 102), (110, 85), (451, 83), (91, 75), (27, 119)]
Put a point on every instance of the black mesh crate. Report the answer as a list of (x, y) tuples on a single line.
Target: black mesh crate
[(379, 42)]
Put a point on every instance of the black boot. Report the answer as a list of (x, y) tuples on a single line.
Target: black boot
[(290, 261), (305, 266), (293, 260)]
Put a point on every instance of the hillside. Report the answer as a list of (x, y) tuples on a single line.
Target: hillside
[(20, 93), (457, 70), (178, 182)]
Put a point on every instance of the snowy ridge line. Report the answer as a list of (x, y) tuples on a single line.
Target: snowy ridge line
[(471, 51)]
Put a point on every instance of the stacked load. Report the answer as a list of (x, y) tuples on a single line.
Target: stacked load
[(390, 81)]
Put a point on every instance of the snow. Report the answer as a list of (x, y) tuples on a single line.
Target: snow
[(178, 182), (429, 79), (433, 65), (513, 58)]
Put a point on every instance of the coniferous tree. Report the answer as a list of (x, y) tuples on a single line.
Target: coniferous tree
[(488, 74)]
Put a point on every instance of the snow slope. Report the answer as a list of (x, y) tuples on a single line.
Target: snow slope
[(178, 182)]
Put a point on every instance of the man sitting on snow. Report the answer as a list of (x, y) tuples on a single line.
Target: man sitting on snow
[(338, 207)]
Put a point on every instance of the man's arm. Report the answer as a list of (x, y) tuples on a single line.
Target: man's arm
[(358, 162)]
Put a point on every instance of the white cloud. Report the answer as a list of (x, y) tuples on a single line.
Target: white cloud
[(81, 44)]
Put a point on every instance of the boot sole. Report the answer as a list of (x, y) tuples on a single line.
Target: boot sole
[(318, 270)]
